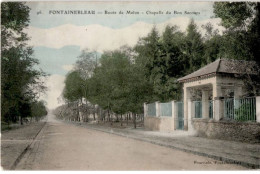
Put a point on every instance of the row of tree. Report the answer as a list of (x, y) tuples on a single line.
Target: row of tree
[(21, 83), (122, 80)]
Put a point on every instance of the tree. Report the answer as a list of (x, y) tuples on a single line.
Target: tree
[(241, 19), (139, 90), (212, 44), (74, 91), (241, 40), (14, 18), (148, 49), (165, 58), (111, 76), (118, 84), (193, 49), (234, 15), (86, 63), (148, 56), (74, 87), (21, 83), (38, 110), (171, 66)]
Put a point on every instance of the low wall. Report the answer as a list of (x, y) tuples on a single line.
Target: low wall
[(164, 124), (228, 130)]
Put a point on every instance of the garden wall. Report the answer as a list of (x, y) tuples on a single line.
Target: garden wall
[(228, 130), (163, 124)]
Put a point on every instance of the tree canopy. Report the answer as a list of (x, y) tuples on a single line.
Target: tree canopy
[(21, 82), (123, 79), (241, 39)]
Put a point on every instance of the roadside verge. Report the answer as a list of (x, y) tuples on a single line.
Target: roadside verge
[(15, 143)]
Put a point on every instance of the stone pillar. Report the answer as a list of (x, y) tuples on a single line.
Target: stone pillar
[(192, 109), (257, 103), (173, 113), (190, 113), (205, 104), (173, 109), (218, 111), (217, 102), (186, 99), (145, 110), (157, 107)]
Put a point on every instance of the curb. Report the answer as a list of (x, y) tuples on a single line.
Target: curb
[(18, 159), (216, 157)]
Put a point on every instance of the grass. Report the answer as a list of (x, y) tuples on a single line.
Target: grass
[(7, 127)]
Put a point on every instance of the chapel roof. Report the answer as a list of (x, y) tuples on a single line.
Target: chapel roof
[(221, 66)]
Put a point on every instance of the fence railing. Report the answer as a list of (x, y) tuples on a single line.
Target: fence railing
[(198, 109), (166, 109), (243, 109), (151, 109), (180, 115)]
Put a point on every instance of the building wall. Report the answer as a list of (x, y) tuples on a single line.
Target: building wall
[(163, 124), (234, 131)]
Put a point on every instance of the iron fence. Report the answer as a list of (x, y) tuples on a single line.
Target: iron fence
[(151, 110), (166, 109), (243, 109), (198, 109), (180, 115)]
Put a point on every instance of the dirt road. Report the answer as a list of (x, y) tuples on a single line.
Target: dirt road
[(61, 146)]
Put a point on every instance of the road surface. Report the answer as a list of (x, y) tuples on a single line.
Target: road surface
[(62, 146)]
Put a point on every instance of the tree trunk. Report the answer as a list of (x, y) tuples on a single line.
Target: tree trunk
[(111, 119), (134, 119), (21, 120), (78, 111), (87, 115), (94, 113), (121, 120)]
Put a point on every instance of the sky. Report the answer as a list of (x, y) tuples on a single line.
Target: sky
[(58, 37)]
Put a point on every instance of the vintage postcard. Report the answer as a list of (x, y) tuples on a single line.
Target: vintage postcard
[(130, 86)]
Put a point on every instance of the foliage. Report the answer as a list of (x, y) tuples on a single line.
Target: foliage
[(241, 39), (74, 87), (86, 63), (123, 79), (193, 49), (233, 15), (38, 110), (245, 112), (21, 83), (155, 56), (113, 78)]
